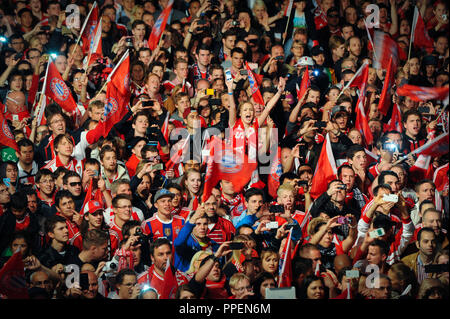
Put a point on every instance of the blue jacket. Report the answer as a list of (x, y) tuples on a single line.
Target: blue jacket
[(186, 246)]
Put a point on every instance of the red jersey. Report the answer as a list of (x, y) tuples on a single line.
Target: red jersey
[(223, 230), (156, 228), (152, 278)]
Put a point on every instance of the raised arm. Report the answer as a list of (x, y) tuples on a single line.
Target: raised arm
[(232, 112), (265, 113)]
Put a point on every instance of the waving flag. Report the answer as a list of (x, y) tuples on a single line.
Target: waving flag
[(170, 283), (385, 49), (395, 122), (6, 136), (436, 147), (419, 34), (276, 169), (306, 82), (327, 171), (95, 45), (256, 94), (358, 77), (421, 169), (87, 31), (12, 278), (385, 98), (361, 122), (58, 91), (422, 93), (160, 26), (285, 264), (117, 93), (288, 9), (226, 163)]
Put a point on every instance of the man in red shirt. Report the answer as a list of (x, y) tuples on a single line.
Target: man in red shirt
[(219, 229), (161, 254)]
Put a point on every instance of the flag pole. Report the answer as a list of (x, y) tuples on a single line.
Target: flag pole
[(413, 29), (351, 80), (83, 27), (287, 25), (36, 113)]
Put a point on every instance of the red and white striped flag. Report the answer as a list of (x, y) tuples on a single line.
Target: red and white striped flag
[(327, 171), (422, 93), (419, 33), (288, 9), (159, 26), (306, 82), (385, 49), (361, 122), (436, 147), (285, 264)]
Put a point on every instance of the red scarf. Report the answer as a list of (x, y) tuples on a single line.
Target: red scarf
[(215, 290)]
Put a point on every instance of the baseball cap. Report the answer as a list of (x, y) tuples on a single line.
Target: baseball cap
[(136, 140), (338, 109), (163, 193), (92, 206), (305, 61), (430, 60), (317, 50)]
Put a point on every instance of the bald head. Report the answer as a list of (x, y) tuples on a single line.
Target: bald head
[(341, 261), (15, 102)]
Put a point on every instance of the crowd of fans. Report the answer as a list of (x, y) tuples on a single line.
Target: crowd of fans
[(145, 213)]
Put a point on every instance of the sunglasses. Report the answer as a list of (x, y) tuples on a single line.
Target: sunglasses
[(73, 184)]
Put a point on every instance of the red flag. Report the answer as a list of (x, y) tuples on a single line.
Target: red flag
[(117, 93), (361, 122), (325, 169), (273, 180), (89, 26), (371, 157), (419, 33), (95, 45), (385, 98), (440, 177), (6, 136), (285, 264), (358, 78), (395, 123), (385, 49), (225, 163), (436, 147), (306, 82), (170, 283), (165, 128), (421, 169), (422, 93), (160, 26), (12, 278), (256, 94), (288, 9), (58, 91)]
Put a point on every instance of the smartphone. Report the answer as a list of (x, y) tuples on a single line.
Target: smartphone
[(236, 246), (276, 209), (279, 58), (343, 220), (147, 103), (18, 56), (243, 72), (210, 91), (352, 273), (84, 281), (424, 109), (215, 102), (321, 124), (45, 28), (436, 268), (280, 293), (272, 225), (95, 173), (289, 226), (377, 233), (7, 182), (301, 183), (157, 167), (342, 186), (390, 198), (228, 75)]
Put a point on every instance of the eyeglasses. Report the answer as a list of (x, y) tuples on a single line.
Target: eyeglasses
[(73, 184), (248, 288)]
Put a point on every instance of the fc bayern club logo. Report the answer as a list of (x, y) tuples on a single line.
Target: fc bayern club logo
[(6, 130), (111, 107), (126, 81), (229, 164), (59, 88)]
